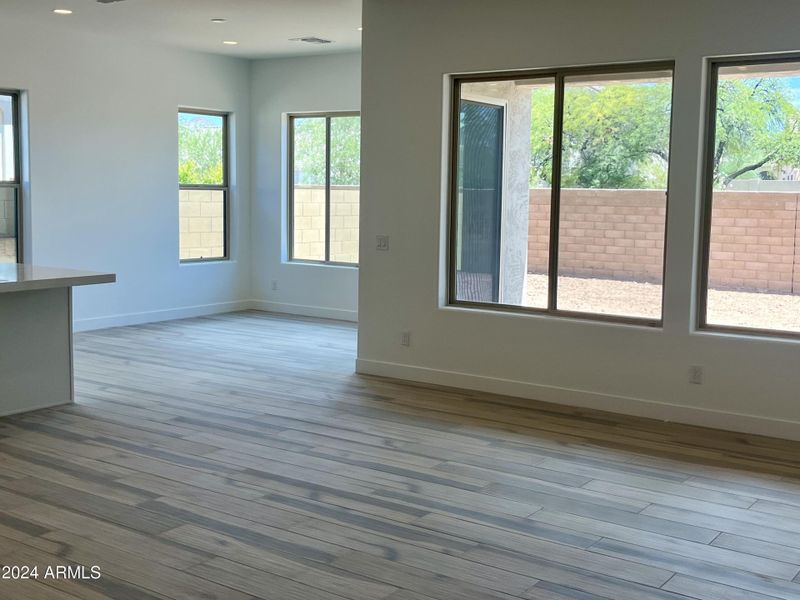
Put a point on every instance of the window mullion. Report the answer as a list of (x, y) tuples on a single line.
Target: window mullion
[(708, 200), (327, 189), (555, 197)]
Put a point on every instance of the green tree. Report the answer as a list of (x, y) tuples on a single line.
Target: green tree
[(757, 129), (346, 151), (617, 136), (542, 103), (200, 150), (309, 151)]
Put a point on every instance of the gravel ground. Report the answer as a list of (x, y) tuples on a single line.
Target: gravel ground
[(629, 298)]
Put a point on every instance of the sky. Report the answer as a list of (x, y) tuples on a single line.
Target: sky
[(197, 120)]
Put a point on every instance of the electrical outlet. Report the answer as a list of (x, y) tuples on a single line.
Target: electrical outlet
[(405, 338), (382, 243), (696, 375), (274, 285)]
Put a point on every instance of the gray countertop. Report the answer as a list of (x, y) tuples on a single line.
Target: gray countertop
[(25, 277)]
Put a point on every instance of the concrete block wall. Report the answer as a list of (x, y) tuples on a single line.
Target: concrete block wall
[(309, 223), (7, 212), (619, 234), (796, 275), (754, 239), (8, 250), (8, 243), (604, 233), (202, 224)]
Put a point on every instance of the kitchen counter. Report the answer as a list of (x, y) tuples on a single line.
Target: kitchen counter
[(36, 335), (22, 277)]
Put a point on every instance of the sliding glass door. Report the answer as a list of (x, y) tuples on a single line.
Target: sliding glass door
[(480, 189)]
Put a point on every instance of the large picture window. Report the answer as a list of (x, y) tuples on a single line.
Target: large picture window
[(559, 191), (324, 195), (204, 191), (750, 276), (10, 189)]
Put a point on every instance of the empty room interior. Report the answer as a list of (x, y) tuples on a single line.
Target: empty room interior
[(399, 300)]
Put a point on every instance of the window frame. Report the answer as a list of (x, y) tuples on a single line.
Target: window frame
[(707, 201), (16, 184), (291, 117), (224, 187), (558, 75)]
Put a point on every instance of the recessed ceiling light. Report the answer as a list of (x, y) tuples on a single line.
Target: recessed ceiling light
[(62, 11), (230, 43), (219, 20), (360, 29)]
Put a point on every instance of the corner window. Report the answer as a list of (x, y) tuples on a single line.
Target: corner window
[(10, 188), (204, 192), (324, 193), (750, 277), (559, 191)]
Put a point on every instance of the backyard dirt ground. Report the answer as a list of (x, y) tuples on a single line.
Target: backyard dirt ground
[(630, 298)]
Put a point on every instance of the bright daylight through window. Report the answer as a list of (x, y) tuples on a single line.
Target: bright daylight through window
[(325, 170), (203, 177), (751, 276), (9, 178), (560, 192)]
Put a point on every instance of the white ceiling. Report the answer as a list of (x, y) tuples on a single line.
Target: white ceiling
[(262, 27)]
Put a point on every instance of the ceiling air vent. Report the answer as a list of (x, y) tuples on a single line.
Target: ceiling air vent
[(108, 1), (311, 40)]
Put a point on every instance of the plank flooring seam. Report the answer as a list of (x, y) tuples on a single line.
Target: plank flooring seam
[(238, 457)]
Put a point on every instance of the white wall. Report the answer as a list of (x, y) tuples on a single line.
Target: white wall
[(280, 86), (103, 147), (409, 46)]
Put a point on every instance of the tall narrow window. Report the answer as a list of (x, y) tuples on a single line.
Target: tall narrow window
[(204, 192), (325, 171), (10, 191), (750, 271), (558, 200)]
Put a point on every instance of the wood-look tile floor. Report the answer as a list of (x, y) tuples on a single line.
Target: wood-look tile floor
[(238, 457)]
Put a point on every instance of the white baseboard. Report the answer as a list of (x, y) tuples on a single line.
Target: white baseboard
[(153, 316), (321, 312), (186, 312), (639, 407)]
